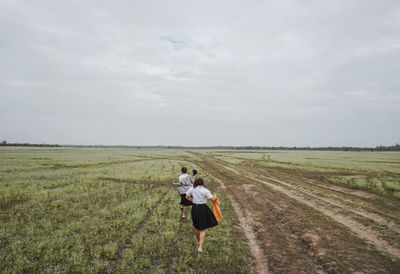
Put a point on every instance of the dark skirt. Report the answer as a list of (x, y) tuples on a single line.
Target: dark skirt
[(184, 201), (203, 217)]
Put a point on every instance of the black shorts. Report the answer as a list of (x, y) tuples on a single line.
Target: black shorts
[(184, 201), (203, 217)]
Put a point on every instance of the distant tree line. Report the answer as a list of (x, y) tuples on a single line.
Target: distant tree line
[(395, 147), (5, 143)]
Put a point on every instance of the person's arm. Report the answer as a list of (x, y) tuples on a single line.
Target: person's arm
[(189, 194), (209, 195), (176, 183)]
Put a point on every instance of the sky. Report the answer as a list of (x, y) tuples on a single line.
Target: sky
[(198, 73)]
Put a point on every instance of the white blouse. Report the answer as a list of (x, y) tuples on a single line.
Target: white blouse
[(200, 194), (185, 183)]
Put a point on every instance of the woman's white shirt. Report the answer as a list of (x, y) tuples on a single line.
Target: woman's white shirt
[(200, 194)]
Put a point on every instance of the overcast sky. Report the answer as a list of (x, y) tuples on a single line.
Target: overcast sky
[(292, 73)]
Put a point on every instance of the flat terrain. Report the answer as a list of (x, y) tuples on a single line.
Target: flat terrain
[(316, 212), (114, 210), (105, 211)]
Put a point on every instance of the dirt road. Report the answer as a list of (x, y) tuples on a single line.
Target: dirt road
[(298, 225)]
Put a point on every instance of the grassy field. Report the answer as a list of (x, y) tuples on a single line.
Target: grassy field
[(92, 210), (104, 211), (378, 172)]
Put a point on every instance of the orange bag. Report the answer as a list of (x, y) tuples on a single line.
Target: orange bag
[(216, 210)]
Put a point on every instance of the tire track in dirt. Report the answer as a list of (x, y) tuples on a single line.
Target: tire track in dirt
[(318, 196), (374, 217), (296, 237), (356, 227), (278, 239), (361, 203), (359, 198), (274, 213), (244, 222)]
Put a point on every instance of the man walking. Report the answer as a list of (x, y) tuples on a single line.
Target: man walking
[(184, 184)]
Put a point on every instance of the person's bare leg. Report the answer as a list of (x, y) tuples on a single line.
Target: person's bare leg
[(202, 239), (197, 233), (184, 211)]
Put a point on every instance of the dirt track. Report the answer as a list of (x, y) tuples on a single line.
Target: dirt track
[(298, 225), (245, 222)]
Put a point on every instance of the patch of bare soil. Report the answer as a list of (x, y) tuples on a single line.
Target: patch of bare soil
[(276, 248), (334, 201), (357, 228), (245, 224), (300, 230), (226, 166)]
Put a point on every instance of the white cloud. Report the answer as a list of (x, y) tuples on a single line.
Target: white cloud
[(243, 72)]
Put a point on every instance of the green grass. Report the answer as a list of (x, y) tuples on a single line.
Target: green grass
[(320, 160), (377, 172), (98, 210), (385, 185), (114, 210)]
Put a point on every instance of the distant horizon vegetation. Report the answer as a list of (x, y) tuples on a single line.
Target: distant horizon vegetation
[(395, 147)]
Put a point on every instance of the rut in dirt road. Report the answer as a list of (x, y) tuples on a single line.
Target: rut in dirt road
[(359, 229), (288, 258), (352, 203), (293, 236), (337, 203), (244, 222)]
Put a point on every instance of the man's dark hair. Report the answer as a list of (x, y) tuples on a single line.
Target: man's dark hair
[(184, 170)]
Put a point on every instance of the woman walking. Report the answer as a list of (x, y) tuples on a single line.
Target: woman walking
[(202, 216)]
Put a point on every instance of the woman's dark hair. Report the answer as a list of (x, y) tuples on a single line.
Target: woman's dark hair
[(184, 170), (194, 172), (198, 182)]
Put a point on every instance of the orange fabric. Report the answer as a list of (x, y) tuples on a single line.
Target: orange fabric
[(216, 209)]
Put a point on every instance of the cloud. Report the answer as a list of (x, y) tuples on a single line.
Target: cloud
[(239, 73), (175, 42)]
